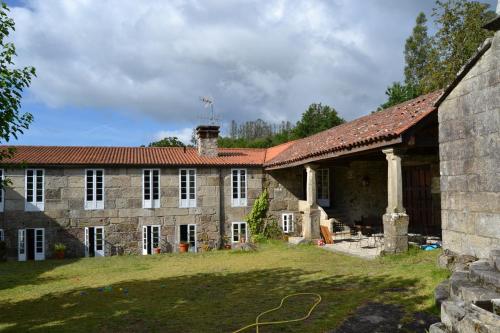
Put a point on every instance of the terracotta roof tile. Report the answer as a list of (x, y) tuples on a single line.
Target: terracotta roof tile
[(379, 126), (53, 155)]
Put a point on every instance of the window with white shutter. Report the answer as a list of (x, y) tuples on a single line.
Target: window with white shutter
[(287, 222), (239, 187), (94, 189), (187, 188), (34, 190), (151, 188)]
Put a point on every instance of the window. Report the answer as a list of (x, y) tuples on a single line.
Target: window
[(150, 238), (323, 187), (187, 234), (94, 189), (2, 191), (151, 188), (34, 190), (287, 222), (2, 235), (239, 184), (239, 232), (187, 185)]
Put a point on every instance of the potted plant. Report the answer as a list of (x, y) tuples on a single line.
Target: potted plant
[(226, 243), (59, 250), (157, 250), (183, 247)]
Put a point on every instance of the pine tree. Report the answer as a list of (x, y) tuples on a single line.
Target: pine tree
[(417, 53)]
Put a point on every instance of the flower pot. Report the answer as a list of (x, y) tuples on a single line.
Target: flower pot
[(157, 250), (59, 254), (184, 247), (227, 246)]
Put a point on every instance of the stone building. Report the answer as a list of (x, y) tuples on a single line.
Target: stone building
[(469, 151), (379, 171)]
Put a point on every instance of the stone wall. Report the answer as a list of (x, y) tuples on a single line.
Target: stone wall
[(64, 217), (285, 191), (469, 126), (359, 189)]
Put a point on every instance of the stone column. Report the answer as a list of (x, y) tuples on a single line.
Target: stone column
[(395, 219), (311, 194), (310, 223)]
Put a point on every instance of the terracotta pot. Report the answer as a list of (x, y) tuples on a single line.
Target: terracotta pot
[(227, 246), (59, 254), (157, 250), (183, 247)]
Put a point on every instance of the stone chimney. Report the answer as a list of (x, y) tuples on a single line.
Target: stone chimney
[(206, 140)]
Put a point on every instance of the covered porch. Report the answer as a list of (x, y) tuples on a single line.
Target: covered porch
[(374, 196)]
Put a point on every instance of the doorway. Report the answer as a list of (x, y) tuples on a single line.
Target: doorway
[(31, 244), (187, 234), (417, 200), (150, 239), (94, 242)]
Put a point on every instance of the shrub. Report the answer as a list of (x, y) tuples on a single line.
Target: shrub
[(258, 214), (59, 247)]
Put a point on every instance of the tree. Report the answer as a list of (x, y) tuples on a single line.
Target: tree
[(458, 36), (12, 83), (417, 48), (398, 93), (317, 118), (171, 141)]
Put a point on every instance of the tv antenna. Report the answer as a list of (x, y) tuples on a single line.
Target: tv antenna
[(208, 102)]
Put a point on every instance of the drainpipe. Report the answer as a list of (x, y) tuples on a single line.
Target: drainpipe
[(221, 208)]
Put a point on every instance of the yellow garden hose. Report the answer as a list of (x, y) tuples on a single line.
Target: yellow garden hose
[(257, 324)]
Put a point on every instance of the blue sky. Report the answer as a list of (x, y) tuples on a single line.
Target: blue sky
[(120, 72)]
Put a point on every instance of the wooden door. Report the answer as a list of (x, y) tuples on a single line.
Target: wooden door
[(417, 199)]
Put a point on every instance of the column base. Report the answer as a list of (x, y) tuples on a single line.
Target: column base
[(395, 232), (310, 224)]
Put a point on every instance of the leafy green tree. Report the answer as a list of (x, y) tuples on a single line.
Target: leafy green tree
[(417, 48), (317, 118), (398, 93), (12, 83), (459, 34), (171, 141)]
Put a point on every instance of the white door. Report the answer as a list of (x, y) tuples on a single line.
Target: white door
[(150, 233), (99, 241), (192, 237), (39, 244), (145, 240), (323, 187), (86, 241), (21, 245)]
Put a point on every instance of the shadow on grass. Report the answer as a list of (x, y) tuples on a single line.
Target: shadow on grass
[(204, 303)]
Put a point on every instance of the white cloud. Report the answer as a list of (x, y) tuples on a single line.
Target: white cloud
[(266, 59), (183, 134)]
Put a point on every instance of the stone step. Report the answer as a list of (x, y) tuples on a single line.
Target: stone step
[(481, 272), (437, 328), (495, 259), (475, 293)]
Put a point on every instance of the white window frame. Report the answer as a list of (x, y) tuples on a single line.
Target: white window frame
[(94, 204), (34, 206), (2, 235), (145, 239), (287, 222), (2, 192), (97, 253), (151, 203), (190, 226), (22, 245), (187, 203), (323, 201), (239, 201), (239, 232)]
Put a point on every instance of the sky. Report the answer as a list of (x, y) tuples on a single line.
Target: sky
[(128, 72)]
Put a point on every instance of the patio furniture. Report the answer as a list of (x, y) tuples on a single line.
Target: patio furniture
[(340, 231)]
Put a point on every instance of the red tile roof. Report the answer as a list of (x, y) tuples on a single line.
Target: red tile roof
[(377, 127), (54, 155)]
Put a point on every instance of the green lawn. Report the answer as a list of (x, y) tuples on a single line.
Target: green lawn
[(218, 291)]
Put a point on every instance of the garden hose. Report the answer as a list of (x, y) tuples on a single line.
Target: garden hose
[(257, 324)]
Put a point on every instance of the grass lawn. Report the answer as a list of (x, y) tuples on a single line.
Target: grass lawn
[(210, 292)]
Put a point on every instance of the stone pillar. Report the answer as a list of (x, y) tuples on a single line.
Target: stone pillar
[(395, 219), (311, 218), (311, 194)]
